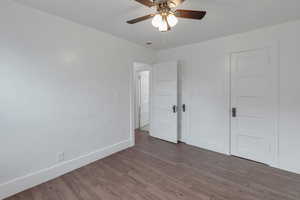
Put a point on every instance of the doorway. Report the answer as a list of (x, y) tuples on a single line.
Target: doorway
[(142, 97), (155, 100)]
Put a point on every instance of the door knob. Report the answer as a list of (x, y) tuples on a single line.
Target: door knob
[(234, 111), (183, 107), (174, 109)]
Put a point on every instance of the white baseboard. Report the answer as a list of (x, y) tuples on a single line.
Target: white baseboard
[(208, 146), (288, 169), (30, 180)]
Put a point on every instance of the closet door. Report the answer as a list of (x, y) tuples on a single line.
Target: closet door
[(254, 99)]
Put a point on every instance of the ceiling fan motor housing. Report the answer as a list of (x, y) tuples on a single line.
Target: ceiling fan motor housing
[(164, 6)]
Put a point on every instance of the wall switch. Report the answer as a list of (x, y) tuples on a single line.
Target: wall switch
[(61, 157)]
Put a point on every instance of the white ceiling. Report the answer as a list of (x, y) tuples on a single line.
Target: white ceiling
[(224, 17)]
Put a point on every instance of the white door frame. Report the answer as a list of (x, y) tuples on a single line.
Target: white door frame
[(138, 94), (276, 48), (133, 81)]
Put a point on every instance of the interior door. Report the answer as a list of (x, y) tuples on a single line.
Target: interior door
[(144, 98), (163, 124), (254, 99)]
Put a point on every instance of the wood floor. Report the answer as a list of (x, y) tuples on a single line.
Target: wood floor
[(157, 170)]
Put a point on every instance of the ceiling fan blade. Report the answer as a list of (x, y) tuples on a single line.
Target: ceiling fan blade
[(140, 19), (147, 3), (177, 2), (190, 14)]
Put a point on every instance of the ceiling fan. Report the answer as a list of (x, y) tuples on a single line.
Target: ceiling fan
[(166, 16)]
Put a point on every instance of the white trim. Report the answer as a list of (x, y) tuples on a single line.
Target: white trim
[(132, 103), (227, 88), (30, 180), (208, 146), (288, 169)]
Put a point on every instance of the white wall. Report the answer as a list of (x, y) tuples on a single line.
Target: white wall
[(206, 85), (64, 88)]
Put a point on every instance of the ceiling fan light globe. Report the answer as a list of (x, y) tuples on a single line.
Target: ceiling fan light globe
[(157, 21), (163, 26), (172, 4), (172, 20)]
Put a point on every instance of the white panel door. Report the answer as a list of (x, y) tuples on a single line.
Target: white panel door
[(254, 99), (163, 124), (144, 98)]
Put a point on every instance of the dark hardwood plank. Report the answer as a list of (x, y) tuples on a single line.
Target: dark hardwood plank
[(158, 170)]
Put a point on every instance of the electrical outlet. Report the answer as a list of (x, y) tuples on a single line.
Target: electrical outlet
[(61, 157)]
